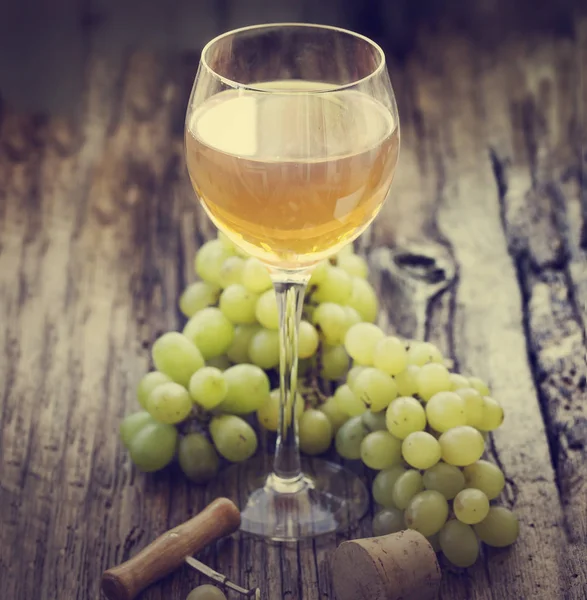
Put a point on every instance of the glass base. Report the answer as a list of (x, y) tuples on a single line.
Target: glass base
[(326, 499)]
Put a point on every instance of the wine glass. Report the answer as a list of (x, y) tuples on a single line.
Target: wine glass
[(292, 139)]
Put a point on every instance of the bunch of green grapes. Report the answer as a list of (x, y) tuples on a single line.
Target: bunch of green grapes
[(389, 402), (237, 293), (210, 379), (423, 428)]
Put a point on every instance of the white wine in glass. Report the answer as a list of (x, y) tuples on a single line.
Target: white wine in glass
[(292, 140)]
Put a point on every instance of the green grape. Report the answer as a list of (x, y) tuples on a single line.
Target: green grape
[(226, 241), (499, 528), (239, 348), (383, 485), (434, 541), (330, 319), (347, 402), (479, 385), (432, 378), (380, 450), (404, 416), (232, 271), (352, 317), (210, 331), (335, 363), (268, 412), (349, 437), (241, 252), (375, 388), (319, 273), (153, 447), (315, 432), (427, 512), (132, 424), (471, 506), (208, 388), (264, 349), (360, 341), (485, 476), (421, 450), (336, 416), (446, 410), (233, 437), (352, 375), (256, 276), (197, 458), (421, 353), (308, 340), (444, 478), (169, 403), (206, 592), (492, 414), (238, 304), (177, 357), (248, 388), (335, 286), (407, 381), (148, 383), (461, 446), (406, 486), (458, 382), (375, 421), (459, 544), (197, 296), (354, 265), (209, 260), (221, 362), (473, 406), (390, 355), (363, 299), (266, 310), (348, 250), (388, 520)]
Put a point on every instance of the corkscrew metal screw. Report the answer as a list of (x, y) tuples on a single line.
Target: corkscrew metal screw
[(254, 593)]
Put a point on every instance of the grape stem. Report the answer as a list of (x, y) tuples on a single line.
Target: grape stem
[(311, 392), (196, 422), (320, 383), (290, 301), (316, 385)]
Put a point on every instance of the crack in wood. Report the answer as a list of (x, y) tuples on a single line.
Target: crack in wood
[(499, 169), (549, 363)]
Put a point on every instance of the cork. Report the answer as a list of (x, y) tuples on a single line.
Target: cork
[(399, 566)]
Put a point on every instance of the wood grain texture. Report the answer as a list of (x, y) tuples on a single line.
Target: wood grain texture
[(98, 233)]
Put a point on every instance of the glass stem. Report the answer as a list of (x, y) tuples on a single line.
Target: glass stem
[(290, 300)]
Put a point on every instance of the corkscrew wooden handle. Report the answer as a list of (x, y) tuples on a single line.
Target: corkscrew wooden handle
[(168, 552)]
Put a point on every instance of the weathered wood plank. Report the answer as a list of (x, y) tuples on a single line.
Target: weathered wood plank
[(489, 333), (97, 238), (447, 121), (72, 234), (540, 194)]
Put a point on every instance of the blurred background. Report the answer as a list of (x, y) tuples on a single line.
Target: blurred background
[(44, 44)]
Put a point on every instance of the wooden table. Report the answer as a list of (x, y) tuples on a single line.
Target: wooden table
[(97, 237)]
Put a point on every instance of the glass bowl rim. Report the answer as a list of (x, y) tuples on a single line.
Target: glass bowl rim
[(251, 87)]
